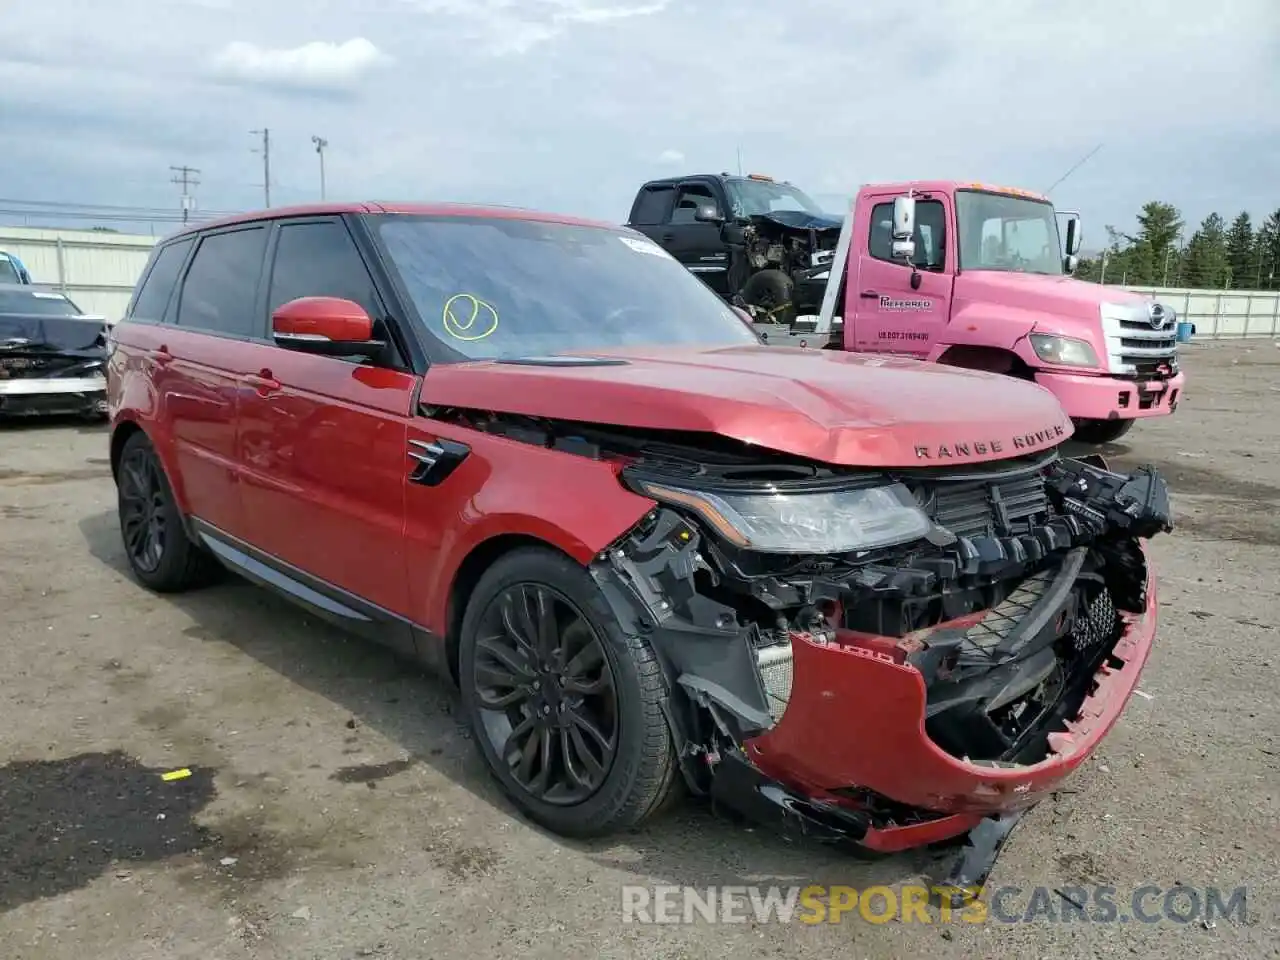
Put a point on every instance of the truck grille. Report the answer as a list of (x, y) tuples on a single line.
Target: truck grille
[(1136, 348), (995, 508)]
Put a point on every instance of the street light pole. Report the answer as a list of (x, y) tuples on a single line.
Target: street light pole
[(320, 143)]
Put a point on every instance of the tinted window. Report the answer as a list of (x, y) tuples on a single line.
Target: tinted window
[(37, 302), (9, 271), (691, 198), (491, 288), (651, 206), (930, 235), (319, 260), (221, 284), (153, 296)]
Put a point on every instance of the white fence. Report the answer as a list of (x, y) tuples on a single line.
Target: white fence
[(95, 269), (1222, 314)]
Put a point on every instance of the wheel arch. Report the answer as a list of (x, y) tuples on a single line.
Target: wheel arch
[(125, 428), (478, 559), (990, 359)]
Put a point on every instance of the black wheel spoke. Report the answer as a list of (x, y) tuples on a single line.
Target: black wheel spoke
[(142, 511), (543, 683)]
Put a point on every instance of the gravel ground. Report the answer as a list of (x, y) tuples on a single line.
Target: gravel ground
[(335, 807)]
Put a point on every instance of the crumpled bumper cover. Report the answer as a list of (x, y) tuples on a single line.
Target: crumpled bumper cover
[(856, 719)]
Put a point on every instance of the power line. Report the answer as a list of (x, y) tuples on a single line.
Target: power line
[(185, 179), (1076, 166)]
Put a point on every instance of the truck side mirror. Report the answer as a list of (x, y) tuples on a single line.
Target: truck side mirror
[(1073, 236), (904, 250), (708, 213), (904, 218), (1071, 264)]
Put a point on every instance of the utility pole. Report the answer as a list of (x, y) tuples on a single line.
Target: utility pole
[(184, 177), (320, 143), (266, 163)]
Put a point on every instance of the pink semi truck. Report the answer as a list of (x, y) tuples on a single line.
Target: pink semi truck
[(964, 274)]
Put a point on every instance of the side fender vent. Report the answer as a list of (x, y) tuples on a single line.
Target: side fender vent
[(434, 460)]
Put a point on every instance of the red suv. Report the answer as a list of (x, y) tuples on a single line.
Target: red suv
[(865, 596)]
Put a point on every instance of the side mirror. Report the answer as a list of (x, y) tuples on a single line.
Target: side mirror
[(1071, 263), (1074, 238), (904, 218), (708, 213), (904, 250), (329, 326)]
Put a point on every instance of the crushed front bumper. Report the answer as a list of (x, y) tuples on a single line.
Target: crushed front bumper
[(855, 722), (32, 396)]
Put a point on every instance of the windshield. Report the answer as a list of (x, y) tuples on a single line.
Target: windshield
[(752, 197), (490, 288), (1010, 234), (37, 302)]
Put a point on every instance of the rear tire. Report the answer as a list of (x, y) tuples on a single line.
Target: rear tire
[(566, 709), (1100, 432), (160, 553)]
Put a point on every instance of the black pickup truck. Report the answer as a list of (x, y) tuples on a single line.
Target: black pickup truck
[(763, 245)]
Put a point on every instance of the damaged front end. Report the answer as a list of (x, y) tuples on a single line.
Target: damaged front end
[(52, 365), (886, 656), (801, 247)]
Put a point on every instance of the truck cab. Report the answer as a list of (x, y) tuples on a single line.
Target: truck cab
[(761, 244), (979, 276)]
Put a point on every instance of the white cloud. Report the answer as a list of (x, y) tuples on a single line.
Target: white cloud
[(514, 27), (315, 65), (671, 156)]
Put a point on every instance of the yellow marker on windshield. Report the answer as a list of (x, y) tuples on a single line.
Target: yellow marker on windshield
[(467, 317)]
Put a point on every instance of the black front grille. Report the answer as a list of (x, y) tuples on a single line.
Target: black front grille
[(16, 367), (995, 508)]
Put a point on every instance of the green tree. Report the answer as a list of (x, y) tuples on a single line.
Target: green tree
[(1240, 251), (1207, 262), (1267, 254)]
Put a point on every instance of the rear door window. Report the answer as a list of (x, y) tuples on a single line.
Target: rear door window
[(652, 206), (153, 296), (220, 292)]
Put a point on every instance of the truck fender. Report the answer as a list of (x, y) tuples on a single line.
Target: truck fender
[(987, 324)]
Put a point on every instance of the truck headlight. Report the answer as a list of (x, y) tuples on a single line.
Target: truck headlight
[(838, 521), (1064, 350)]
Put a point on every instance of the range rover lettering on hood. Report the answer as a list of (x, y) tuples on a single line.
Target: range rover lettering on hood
[(1022, 443)]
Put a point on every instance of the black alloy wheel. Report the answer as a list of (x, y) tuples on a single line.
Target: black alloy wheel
[(568, 710), (142, 510), (160, 553), (548, 702)]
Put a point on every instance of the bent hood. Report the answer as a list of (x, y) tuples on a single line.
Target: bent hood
[(830, 406), (801, 220), (71, 335)]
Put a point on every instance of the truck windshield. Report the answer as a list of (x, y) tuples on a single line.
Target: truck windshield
[(1010, 234), (495, 288), (31, 303), (755, 197)]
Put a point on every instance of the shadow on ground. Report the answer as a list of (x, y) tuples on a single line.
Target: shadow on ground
[(691, 845)]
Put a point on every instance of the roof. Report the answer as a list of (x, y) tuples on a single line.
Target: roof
[(393, 207), (947, 186)]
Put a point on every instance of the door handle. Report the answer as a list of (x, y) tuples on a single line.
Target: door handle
[(263, 382), (869, 295), (162, 357), (668, 238)]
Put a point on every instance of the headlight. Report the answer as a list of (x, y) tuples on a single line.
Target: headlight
[(839, 521), (1064, 350)]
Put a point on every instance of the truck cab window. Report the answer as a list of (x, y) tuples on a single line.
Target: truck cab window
[(691, 198), (652, 205), (930, 235)]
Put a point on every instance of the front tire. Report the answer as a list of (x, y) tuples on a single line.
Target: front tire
[(160, 554), (565, 707), (1099, 432), (771, 293)]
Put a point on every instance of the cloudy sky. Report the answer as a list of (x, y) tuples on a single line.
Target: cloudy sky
[(571, 104)]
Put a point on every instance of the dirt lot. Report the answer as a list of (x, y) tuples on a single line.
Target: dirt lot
[(336, 809)]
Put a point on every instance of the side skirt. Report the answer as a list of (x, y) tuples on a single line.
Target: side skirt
[(321, 598)]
